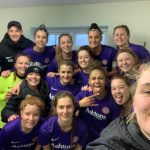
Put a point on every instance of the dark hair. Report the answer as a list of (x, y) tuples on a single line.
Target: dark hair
[(58, 55), (94, 63), (125, 27), (21, 54), (94, 27), (61, 95), (64, 34), (42, 27), (86, 48), (100, 69), (15, 60), (122, 77), (32, 100)]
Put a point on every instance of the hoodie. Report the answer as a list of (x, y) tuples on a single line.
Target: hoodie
[(119, 136), (9, 49)]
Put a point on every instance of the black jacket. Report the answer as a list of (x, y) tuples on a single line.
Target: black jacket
[(9, 49), (119, 136), (12, 106)]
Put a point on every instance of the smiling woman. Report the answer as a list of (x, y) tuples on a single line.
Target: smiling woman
[(65, 81), (23, 132), (97, 106), (63, 130), (33, 84)]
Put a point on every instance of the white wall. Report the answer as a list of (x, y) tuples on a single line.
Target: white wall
[(134, 14)]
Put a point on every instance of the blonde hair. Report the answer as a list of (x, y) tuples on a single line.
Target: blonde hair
[(32, 100), (128, 50), (146, 66)]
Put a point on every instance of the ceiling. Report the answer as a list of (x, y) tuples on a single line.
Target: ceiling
[(32, 3)]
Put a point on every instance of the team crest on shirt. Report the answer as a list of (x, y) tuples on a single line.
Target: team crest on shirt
[(104, 62), (75, 139), (105, 110), (47, 60)]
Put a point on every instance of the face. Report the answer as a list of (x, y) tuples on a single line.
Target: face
[(65, 44), (21, 65), (40, 39), (121, 37), (30, 116), (33, 79), (97, 81), (94, 39), (120, 91), (65, 109), (125, 62), (141, 103), (14, 34), (66, 74), (84, 59)]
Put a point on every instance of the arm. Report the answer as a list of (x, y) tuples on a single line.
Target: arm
[(11, 108), (4, 139)]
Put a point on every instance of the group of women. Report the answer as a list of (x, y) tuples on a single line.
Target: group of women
[(81, 90)]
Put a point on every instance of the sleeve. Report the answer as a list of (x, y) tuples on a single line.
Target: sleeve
[(95, 145), (2, 95), (112, 58), (1, 62), (52, 67), (145, 56), (79, 96), (3, 88), (4, 139), (84, 135), (11, 108)]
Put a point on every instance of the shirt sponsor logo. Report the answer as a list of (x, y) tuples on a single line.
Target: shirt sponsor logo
[(95, 114), (62, 146)]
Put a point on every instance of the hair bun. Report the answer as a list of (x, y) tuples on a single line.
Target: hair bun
[(42, 26), (94, 26)]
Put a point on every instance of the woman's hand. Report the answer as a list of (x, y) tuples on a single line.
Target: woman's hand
[(12, 117), (88, 101)]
